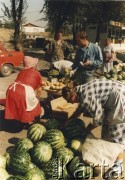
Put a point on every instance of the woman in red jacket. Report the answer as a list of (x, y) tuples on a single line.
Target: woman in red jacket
[(21, 101)]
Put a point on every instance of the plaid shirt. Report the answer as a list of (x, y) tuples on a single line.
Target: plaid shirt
[(93, 97)]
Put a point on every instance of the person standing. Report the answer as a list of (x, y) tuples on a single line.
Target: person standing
[(21, 102), (57, 47), (108, 54), (88, 59)]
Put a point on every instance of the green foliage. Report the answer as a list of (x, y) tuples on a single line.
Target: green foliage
[(15, 14)]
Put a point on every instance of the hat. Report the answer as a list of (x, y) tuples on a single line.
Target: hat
[(30, 62)]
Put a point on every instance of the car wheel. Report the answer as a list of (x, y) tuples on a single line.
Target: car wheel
[(6, 69)]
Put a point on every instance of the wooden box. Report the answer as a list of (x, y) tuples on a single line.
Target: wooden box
[(61, 109)]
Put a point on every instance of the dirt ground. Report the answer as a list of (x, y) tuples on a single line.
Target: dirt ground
[(8, 137)]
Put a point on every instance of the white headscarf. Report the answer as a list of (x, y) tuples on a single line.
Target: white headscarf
[(30, 62)]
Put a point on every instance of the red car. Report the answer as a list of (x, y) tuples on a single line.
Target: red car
[(9, 60)]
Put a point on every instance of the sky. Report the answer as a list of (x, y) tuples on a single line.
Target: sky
[(32, 13)]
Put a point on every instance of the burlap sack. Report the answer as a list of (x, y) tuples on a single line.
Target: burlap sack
[(99, 152)]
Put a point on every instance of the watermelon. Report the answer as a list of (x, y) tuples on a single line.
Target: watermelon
[(35, 174), (55, 138), (77, 169), (35, 132), (54, 169), (41, 152), (2, 161), (18, 177), (52, 124), (64, 154), (24, 145), (76, 145), (75, 129), (3, 174), (19, 162)]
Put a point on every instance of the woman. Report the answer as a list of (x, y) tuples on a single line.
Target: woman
[(105, 101), (21, 101), (58, 47), (108, 54)]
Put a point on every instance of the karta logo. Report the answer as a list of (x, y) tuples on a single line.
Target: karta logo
[(63, 169)]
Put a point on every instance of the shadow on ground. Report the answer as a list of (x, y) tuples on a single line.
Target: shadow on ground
[(11, 126), (35, 53)]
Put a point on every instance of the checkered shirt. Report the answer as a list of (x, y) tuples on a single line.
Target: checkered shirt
[(93, 97)]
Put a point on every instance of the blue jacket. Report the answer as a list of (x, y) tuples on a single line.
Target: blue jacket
[(91, 52)]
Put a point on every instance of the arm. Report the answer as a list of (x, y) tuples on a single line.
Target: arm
[(39, 89), (98, 57)]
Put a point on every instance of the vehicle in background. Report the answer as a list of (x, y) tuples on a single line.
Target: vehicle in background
[(9, 59)]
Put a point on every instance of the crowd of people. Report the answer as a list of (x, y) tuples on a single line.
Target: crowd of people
[(88, 57)]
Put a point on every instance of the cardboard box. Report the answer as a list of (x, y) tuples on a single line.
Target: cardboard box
[(61, 109)]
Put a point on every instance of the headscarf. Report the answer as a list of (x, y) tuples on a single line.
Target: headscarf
[(30, 62)]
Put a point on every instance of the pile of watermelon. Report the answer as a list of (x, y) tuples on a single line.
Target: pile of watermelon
[(117, 73), (47, 153)]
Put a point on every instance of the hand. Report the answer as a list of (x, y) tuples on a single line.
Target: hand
[(71, 73), (87, 63)]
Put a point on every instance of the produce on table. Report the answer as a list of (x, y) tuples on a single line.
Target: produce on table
[(53, 85), (117, 73)]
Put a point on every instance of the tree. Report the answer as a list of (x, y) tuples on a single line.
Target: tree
[(16, 15), (57, 13), (99, 12), (78, 14)]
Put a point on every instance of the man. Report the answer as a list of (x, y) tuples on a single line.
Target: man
[(105, 101), (88, 59)]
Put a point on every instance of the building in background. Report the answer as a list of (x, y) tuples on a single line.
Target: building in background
[(34, 35), (32, 31), (111, 29)]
